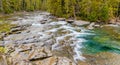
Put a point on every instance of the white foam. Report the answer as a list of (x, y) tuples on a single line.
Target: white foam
[(63, 25), (36, 24), (78, 46), (62, 22), (58, 23)]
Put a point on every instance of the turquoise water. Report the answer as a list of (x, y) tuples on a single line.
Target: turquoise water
[(106, 39)]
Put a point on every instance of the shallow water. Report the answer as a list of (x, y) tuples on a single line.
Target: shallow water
[(106, 39), (91, 47), (102, 48)]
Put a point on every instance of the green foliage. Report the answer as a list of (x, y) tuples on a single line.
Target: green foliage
[(5, 26), (2, 50), (9, 6), (6, 6), (92, 10), (104, 14), (98, 10), (92, 16)]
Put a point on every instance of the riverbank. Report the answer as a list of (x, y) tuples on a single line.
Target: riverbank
[(41, 39), (30, 43)]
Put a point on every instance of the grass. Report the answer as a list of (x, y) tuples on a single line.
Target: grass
[(5, 27), (2, 50)]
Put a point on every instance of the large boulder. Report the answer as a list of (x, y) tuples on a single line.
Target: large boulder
[(112, 21)]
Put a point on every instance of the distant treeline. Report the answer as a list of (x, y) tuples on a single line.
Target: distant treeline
[(92, 10)]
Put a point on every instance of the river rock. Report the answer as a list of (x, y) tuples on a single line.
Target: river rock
[(91, 26), (118, 23), (16, 29), (70, 21), (23, 63), (1, 45), (25, 47), (65, 61), (3, 60), (49, 43), (1, 42), (10, 48), (55, 61), (33, 45), (112, 21), (38, 54), (61, 19), (80, 23), (44, 21), (51, 17), (97, 26)]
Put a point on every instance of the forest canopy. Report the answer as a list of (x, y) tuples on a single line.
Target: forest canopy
[(92, 10)]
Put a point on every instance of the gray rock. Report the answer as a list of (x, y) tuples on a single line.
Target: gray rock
[(33, 45), (39, 54), (91, 26), (70, 21), (55, 61), (3, 60), (80, 22), (97, 26), (1, 42), (25, 47), (16, 29), (64, 61), (43, 22), (61, 19), (51, 17), (2, 45), (113, 21), (9, 42), (118, 23)]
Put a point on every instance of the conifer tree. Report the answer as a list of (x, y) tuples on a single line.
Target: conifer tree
[(92, 10)]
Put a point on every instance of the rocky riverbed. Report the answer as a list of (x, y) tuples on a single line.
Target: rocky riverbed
[(38, 39)]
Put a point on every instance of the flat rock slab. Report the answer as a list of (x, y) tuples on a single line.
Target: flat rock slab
[(80, 22), (3, 60), (38, 38)]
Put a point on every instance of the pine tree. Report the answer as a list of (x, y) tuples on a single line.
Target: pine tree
[(92, 10)]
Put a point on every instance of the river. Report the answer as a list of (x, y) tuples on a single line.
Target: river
[(99, 46)]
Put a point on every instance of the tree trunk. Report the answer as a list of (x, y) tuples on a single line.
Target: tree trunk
[(74, 13)]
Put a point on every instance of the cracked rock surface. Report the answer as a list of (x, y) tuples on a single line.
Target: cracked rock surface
[(35, 40)]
